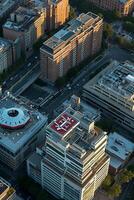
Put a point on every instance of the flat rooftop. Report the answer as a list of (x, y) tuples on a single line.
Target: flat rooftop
[(117, 79), (21, 19), (119, 149), (6, 5), (4, 44), (68, 130), (73, 28), (17, 129), (88, 113)]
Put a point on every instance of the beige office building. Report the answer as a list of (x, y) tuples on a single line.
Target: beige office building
[(72, 164), (67, 48)]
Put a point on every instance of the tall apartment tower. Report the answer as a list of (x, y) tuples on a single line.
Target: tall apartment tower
[(80, 39), (57, 12), (74, 163)]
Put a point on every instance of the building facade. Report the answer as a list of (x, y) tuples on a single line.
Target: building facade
[(119, 150), (56, 11), (112, 91), (21, 130), (73, 162), (6, 191), (27, 25), (9, 53), (80, 39), (124, 7)]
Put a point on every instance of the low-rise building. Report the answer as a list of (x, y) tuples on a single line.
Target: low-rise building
[(25, 24), (6, 191), (72, 163), (21, 130), (78, 40), (119, 149), (112, 91), (123, 7)]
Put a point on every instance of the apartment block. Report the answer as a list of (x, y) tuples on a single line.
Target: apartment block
[(56, 11), (9, 53), (21, 130), (6, 191), (112, 91), (72, 164), (67, 48), (124, 7), (25, 24)]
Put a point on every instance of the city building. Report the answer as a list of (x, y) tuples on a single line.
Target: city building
[(21, 130), (67, 48), (112, 91), (75, 103), (9, 53), (72, 164), (25, 24), (6, 191), (119, 149), (6, 7), (123, 7), (56, 11)]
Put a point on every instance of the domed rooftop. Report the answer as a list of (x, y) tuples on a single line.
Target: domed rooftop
[(13, 118)]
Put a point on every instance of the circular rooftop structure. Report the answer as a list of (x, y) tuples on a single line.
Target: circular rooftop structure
[(13, 118)]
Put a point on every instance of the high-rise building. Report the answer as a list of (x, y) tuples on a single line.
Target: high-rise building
[(6, 191), (72, 164), (124, 7), (56, 11), (25, 24), (67, 48), (112, 91), (5, 55), (21, 130), (9, 53), (6, 7)]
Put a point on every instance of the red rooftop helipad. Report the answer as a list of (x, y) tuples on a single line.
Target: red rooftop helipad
[(63, 123)]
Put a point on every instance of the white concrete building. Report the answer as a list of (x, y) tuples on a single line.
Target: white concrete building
[(72, 164), (21, 130), (119, 149)]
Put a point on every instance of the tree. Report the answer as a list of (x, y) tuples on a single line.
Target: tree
[(126, 176), (107, 182), (108, 30), (130, 168), (72, 13), (114, 191)]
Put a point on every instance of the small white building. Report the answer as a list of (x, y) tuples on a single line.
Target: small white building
[(119, 150)]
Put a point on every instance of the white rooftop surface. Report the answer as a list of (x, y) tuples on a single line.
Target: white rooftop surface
[(13, 140), (119, 147)]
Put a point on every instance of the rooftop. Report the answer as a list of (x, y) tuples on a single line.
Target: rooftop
[(4, 44), (119, 149), (117, 79), (69, 130), (21, 19), (5, 5), (74, 27), (18, 123)]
